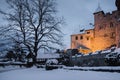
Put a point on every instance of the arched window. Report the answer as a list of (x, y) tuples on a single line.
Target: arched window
[(81, 37), (88, 32), (113, 35), (76, 38)]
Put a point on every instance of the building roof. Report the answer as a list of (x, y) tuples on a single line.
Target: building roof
[(81, 33)]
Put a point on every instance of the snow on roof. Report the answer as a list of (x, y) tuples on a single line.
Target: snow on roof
[(98, 9), (117, 50), (49, 55), (106, 51), (86, 55), (79, 30), (77, 55)]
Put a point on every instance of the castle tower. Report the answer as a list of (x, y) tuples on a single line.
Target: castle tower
[(118, 4), (98, 15), (104, 31), (118, 23)]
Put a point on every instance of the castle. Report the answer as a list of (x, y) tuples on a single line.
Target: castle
[(106, 32)]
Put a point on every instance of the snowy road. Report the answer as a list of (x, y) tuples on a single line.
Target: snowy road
[(58, 74)]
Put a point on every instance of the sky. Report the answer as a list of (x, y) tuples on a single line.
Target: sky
[(77, 14)]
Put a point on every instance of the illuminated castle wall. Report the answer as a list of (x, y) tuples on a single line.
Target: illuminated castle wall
[(106, 32)]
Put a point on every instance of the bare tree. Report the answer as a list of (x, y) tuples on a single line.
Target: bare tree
[(36, 23), (5, 42)]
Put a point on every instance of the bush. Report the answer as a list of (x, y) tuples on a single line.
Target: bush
[(50, 64), (29, 64)]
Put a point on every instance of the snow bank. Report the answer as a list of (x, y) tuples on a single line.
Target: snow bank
[(9, 68), (117, 50), (57, 74), (88, 68)]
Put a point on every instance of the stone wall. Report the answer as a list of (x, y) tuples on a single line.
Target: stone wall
[(89, 60)]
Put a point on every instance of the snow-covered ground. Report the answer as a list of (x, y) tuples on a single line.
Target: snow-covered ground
[(10, 68), (57, 74), (96, 68)]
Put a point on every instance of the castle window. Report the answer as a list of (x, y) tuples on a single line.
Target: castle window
[(76, 38), (81, 37), (111, 24), (88, 32), (113, 35), (87, 38), (100, 27)]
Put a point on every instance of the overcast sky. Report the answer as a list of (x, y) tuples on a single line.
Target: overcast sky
[(77, 14)]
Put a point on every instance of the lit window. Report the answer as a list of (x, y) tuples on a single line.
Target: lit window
[(76, 38), (87, 38), (88, 32), (113, 35), (81, 37)]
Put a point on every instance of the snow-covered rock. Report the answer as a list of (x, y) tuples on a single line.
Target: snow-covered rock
[(52, 61)]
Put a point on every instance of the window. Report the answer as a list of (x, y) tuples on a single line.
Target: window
[(87, 38), (76, 38), (81, 37), (100, 27), (113, 35), (111, 24), (88, 32)]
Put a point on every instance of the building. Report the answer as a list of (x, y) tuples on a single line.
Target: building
[(105, 34)]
